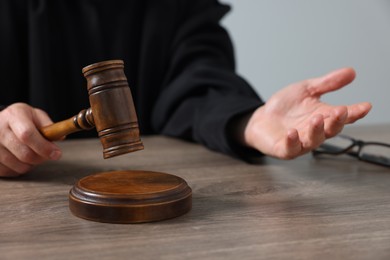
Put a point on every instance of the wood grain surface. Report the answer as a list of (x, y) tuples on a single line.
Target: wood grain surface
[(308, 208)]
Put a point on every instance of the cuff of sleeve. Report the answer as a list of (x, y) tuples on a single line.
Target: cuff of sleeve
[(216, 128), (238, 150)]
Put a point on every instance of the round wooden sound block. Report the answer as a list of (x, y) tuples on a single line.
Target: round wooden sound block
[(130, 197)]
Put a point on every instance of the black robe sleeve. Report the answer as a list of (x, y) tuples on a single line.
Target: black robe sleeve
[(202, 93), (178, 59)]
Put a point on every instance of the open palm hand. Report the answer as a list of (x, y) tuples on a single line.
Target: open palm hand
[(294, 120)]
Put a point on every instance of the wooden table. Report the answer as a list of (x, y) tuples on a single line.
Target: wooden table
[(328, 208)]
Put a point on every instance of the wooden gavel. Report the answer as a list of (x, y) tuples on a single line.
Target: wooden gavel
[(112, 111)]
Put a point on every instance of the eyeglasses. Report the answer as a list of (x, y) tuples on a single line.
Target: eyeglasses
[(372, 152)]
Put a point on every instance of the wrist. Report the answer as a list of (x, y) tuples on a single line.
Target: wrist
[(238, 129)]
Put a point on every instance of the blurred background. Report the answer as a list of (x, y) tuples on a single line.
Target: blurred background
[(278, 42)]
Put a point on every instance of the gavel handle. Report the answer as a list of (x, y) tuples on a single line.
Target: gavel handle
[(82, 121)]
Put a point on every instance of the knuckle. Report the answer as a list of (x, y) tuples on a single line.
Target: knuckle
[(26, 155), (25, 135), (6, 112)]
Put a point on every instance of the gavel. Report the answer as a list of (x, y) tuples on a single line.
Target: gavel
[(120, 196), (112, 111)]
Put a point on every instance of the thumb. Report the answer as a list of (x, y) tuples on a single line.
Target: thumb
[(41, 118)]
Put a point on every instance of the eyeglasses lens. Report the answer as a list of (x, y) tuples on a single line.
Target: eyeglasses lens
[(375, 153)]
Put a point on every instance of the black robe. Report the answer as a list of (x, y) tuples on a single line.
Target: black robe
[(179, 62)]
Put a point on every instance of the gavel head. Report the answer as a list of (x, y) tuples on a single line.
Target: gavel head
[(112, 107)]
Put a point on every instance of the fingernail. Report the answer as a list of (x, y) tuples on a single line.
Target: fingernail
[(55, 155)]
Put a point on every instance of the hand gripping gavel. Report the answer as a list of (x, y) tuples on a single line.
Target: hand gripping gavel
[(112, 111)]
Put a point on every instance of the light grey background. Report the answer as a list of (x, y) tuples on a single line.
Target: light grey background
[(278, 42)]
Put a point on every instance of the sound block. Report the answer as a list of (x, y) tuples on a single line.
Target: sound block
[(130, 197)]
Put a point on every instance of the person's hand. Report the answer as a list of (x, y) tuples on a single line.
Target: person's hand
[(294, 121), (21, 145)]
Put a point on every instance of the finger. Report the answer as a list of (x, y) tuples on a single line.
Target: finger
[(315, 133), (7, 172), (11, 165), (28, 134), (334, 124), (331, 81), (289, 147), (293, 144), (21, 151), (41, 118), (357, 111)]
